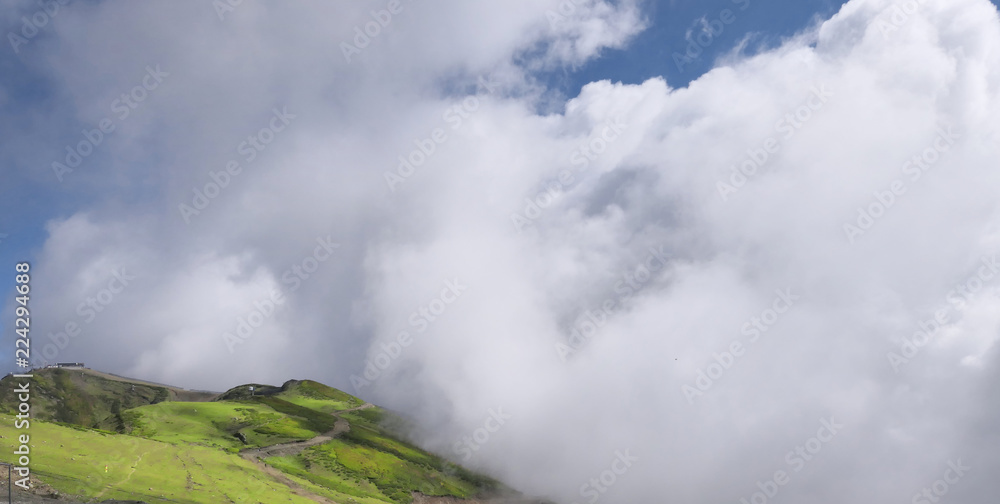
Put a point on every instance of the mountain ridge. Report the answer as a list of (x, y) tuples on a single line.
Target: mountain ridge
[(96, 435)]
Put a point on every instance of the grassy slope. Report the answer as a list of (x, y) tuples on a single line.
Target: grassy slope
[(370, 465), (188, 449), (80, 398), (72, 460), (317, 396), (214, 424)]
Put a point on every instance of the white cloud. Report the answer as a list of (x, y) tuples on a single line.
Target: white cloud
[(654, 185)]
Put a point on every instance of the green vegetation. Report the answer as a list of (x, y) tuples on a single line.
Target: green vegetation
[(392, 476), (305, 393), (91, 464), (317, 396), (368, 462), (215, 424), (104, 438), (81, 398), (314, 420)]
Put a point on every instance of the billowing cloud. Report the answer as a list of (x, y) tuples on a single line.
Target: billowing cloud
[(777, 283)]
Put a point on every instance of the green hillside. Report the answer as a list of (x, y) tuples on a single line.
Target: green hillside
[(96, 465), (97, 437), (89, 398)]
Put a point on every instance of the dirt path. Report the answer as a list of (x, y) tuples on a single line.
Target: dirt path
[(130, 473), (296, 488), (419, 498), (295, 447), (256, 455)]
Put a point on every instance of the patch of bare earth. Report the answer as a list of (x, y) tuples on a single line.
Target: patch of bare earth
[(256, 455), (419, 498)]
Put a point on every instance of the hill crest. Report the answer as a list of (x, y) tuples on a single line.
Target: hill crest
[(304, 440)]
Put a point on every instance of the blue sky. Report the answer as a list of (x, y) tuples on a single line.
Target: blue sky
[(762, 23), (651, 54)]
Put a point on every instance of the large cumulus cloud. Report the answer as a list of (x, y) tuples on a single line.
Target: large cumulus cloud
[(710, 279)]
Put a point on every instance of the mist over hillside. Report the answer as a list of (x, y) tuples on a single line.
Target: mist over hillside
[(601, 251), (300, 442)]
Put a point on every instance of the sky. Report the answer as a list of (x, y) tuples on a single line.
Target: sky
[(607, 251)]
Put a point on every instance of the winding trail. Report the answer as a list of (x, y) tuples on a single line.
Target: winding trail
[(135, 465), (256, 455)]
